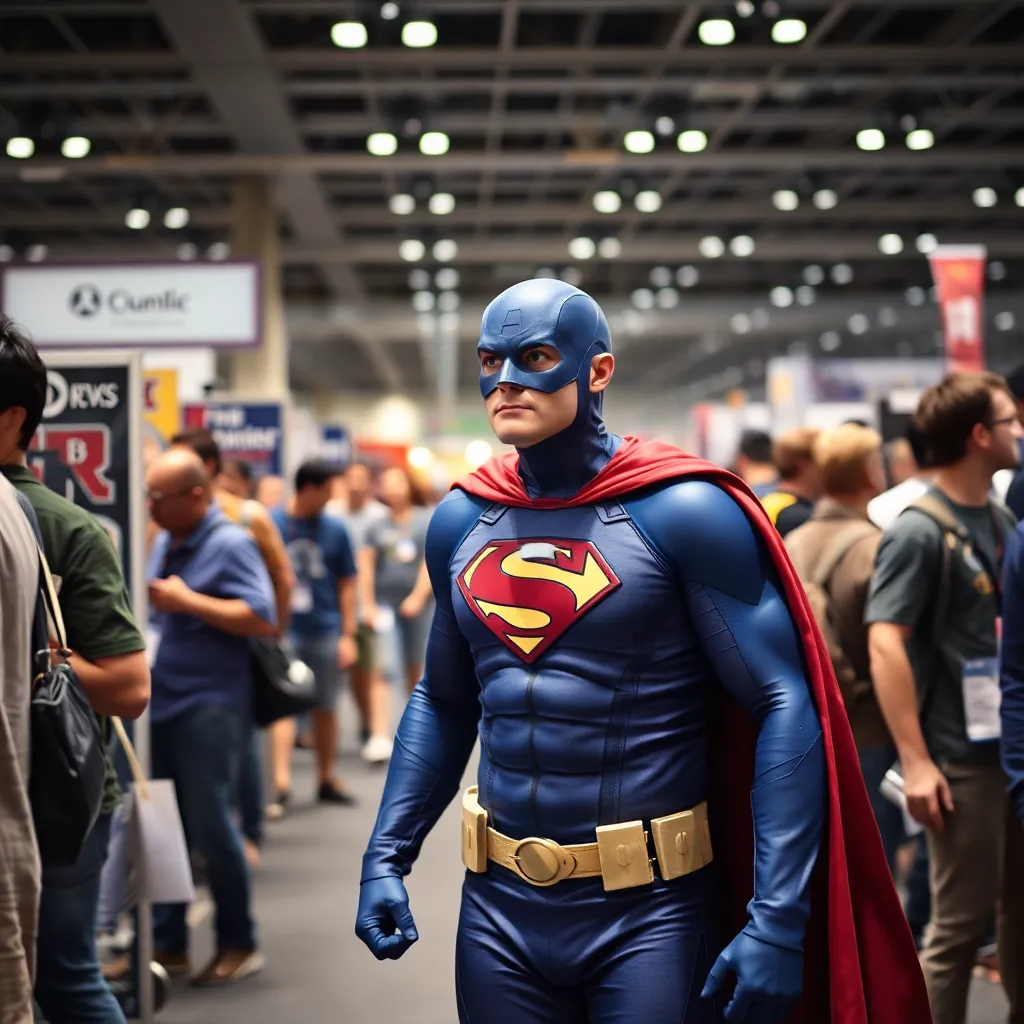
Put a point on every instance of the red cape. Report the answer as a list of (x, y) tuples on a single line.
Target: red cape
[(860, 964)]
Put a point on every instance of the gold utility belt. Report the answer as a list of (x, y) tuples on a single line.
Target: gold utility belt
[(682, 843)]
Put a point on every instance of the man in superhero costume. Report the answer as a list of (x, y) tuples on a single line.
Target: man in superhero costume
[(605, 607)]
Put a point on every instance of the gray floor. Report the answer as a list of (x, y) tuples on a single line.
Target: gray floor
[(317, 971)]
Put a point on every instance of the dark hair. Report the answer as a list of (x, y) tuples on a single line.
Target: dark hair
[(756, 445), (918, 445), (202, 443), (948, 413), (22, 379), (240, 468), (314, 473)]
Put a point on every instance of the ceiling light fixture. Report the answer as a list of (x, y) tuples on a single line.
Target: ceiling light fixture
[(692, 141), (445, 250), (447, 279), (572, 275), (607, 201), (176, 218), (745, 8), (716, 32), (742, 246), (985, 197), (582, 248), (842, 273), (419, 34), (609, 248), (740, 323), (381, 144), (661, 277), (638, 142), (74, 147), (20, 147), (813, 274), (219, 251), (423, 302), (664, 125), (137, 218), (441, 204), (858, 323), (348, 35), (6, 253), (781, 296), (648, 201), (667, 298), (36, 253), (890, 244), (920, 139), (787, 31), (412, 250), (402, 204), (785, 199), (825, 199), (687, 277), (996, 270), (434, 143), (448, 302), (830, 341), (806, 295), (915, 296), (1005, 321), (643, 298), (478, 452), (389, 11), (926, 243), (187, 252), (870, 139), (1018, 196), (711, 247)]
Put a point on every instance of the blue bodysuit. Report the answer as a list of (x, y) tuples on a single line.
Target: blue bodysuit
[(654, 601)]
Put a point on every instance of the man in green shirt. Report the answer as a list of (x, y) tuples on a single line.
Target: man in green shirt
[(108, 656)]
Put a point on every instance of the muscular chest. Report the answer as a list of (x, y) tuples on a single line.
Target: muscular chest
[(571, 589)]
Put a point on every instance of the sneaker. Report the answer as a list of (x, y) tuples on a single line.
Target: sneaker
[(276, 810), (333, 793), (378, 750), (175, 964), (230, 965)]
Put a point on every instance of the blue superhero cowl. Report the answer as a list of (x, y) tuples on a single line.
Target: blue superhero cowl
[(547, 312)]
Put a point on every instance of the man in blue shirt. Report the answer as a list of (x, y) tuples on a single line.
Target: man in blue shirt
[(209, 592), (323, 620)]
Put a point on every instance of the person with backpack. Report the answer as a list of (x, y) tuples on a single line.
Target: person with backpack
[(934, 619), (834, 554)]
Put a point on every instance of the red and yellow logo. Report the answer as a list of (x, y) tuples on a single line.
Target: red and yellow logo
[(529, 592)]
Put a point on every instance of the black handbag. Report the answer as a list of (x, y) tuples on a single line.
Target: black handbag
[(283, 686), (68, 764)]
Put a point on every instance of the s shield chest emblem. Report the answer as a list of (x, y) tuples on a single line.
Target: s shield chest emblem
[(529, 602)]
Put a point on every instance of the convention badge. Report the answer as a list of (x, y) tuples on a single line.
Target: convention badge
[(152, 645), (405, 550), (982, 697), (385, 619), (302, 598)]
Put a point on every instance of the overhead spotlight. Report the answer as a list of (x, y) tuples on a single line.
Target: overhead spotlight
[(926, 243), (607, 201), (830, 341), (667, 298), (638, 142), (445, 250), (609, 248), (389, 11), (6, 253), (760, 319), (219, 251), (412, 250), (888, 317), (419, 280), (985, 197), (781, 296), (785, 199), (920, 138), (693, 140), (582, 248), (448, 302), (349, 35), (478, 452), (871, 139), (572, 275), (447, 279), (643, 298), (996, 270), (745, 8), (915, 296), (36, 253), (648, 201), (789, 30), (740, 323), (716, 32), (74, 147), (419, 457), (711, 247), (806, 295), (545, 272), (434, 143), (137, 218), (825, 199), (441, 203), (176, 218), (687, 277), (742, 246), (402, 204), (1018, 196), (448, 323), (381, 144), (423, 302), (20, 147), (842, 273), (187, 252), (813, 275), (419, 34), (1005, 321), (664, 125), (890, 244), (661, 277), (858, 323)]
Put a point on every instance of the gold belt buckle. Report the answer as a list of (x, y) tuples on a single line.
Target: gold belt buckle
[(542, 862), (622, 850), (682, 842)]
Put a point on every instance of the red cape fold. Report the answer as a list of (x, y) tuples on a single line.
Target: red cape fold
[(860, 964)]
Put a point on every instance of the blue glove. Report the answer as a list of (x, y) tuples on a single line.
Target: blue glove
[(769, 980), (383, 908)]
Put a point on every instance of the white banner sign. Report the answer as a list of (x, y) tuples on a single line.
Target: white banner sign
[(141, 305)]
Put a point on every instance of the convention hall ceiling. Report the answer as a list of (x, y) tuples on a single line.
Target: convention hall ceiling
[(727, 200)]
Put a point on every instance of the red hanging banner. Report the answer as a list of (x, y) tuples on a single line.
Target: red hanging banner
[(959, 273)]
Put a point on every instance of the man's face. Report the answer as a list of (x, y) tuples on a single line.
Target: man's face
[(874, 473), (316, 498), (998, 440), (234, 484), (358, 482), (173, 507), (11, 421), (524, 416)]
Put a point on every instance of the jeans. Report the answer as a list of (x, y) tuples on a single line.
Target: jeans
[(250, 786), (69, 986), (114, 877), (201, 751), (919, 892), (874, 763)]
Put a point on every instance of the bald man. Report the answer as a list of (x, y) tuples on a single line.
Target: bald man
[(209, 592)]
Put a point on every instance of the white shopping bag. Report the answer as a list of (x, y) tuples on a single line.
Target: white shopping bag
[(159, 866)]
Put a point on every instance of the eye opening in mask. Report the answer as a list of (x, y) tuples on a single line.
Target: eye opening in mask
[(534, 359)]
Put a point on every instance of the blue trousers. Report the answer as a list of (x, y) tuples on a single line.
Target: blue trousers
[(575, 954), (250, 786), (874, 763), (69, 987), (202, 752)]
